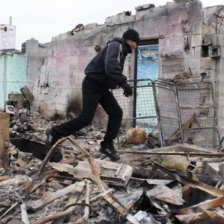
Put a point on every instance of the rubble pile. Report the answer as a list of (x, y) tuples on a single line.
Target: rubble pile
[(177, 184)]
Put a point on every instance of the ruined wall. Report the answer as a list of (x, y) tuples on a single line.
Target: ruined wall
[(59, 82), (179, 26), (37, 54), (58, 90), (213, 57)]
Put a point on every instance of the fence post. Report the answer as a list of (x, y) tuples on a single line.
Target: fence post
[(158, 114), (178, 112)]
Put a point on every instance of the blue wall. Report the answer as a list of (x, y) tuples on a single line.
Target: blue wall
[(147, 68), (13, 70)]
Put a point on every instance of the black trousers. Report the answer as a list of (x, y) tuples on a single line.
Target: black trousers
[(92, 95)]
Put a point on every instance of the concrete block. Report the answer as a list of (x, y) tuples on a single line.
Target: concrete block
[(193, 52), (119, 19), (91, 26), (207, 63), (140, 14), (174, 43), (196, 28), (195, 72), (193, 64), (196, 40)]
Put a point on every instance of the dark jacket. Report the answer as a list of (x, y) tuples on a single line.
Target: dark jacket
[(107, 66)]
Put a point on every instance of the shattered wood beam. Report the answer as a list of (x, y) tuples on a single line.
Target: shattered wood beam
[(176, 135), (72, 208), (47, 157), (100, 196), (24, 214), (17, 180), (191, 183), (109, 197), (74, 197), (209, 204), (86, 210), (204, 216), (56, 216), (77, 189), (4, 137), (53, 196), (91, 162), (113, 201), (9, 210)]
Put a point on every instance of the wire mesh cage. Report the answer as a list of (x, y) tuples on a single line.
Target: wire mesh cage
[(184, 109), (196, 99), (168, 117), (139, 109)]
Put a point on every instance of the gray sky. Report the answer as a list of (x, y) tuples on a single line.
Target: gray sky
[(44, 19)]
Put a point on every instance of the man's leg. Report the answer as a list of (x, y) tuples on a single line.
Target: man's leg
[(90, 99), (114, 111)]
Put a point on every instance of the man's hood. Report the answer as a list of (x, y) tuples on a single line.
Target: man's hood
[(127, 47)]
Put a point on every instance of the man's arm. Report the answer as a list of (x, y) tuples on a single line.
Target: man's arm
[(112, 62)]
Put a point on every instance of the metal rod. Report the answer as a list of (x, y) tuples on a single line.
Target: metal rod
[(215, 118), (197, 107), (178, 113), (192, 89), (200, 128), (174, 118), (163, 87), (140, 117), (158, 115), (174, 153)]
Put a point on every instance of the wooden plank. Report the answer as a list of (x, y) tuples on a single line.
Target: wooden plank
[(110, 172), (176, 135), (4, 136), (46, 199)]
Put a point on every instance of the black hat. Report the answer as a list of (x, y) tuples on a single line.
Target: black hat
[(131, 34)]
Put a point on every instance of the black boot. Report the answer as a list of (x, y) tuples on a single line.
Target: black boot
[(52, 138), (107, 148)]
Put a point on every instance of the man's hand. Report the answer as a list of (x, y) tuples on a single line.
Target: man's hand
[(127, 89)]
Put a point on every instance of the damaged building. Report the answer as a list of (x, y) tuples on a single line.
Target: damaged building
[(176, 74), (180, 39)]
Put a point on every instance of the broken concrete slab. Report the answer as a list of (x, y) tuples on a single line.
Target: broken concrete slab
[(27, 94)]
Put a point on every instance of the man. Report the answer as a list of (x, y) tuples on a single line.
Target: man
[(103, 73)]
